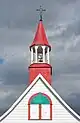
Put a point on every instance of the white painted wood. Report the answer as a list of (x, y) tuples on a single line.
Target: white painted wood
[(45, 111), (36, 47), (43, 54), (20, 107), (48, 55), (32, 55), (34, 111)]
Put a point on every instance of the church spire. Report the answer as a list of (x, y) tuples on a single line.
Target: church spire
[(40, 37), (40, 50)]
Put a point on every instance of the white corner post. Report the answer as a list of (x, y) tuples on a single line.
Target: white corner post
[(31, 55), (36, 47), (43, 54), (48, 55)]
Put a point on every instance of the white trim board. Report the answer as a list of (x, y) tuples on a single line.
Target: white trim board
[(72, 112)]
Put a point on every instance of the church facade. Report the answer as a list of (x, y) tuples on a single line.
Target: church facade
[(40, 102)]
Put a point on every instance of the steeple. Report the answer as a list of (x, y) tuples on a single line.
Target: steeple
[(40, 36), (40, 48)]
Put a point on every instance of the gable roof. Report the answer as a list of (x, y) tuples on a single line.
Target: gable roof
[(50, 89)]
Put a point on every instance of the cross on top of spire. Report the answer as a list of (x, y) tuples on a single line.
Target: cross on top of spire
[(41, 12)]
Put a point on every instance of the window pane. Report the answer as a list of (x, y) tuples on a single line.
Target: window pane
[(34, 111), (45, 111)]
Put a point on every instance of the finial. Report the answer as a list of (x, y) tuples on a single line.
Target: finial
[(41, 12)]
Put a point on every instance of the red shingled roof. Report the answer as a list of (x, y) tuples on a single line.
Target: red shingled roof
[(40, 36)]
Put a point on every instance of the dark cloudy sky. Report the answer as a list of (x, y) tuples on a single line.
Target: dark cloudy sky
[(18, 22)]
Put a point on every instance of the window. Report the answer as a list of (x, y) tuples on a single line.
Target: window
[(40, 107)]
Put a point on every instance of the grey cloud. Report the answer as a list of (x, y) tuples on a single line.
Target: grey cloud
[(15, 77), (15, 72), (9, 94), (14, 37), (74, 102)]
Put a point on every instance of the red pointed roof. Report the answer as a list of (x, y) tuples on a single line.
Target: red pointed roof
[(40, 36)]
